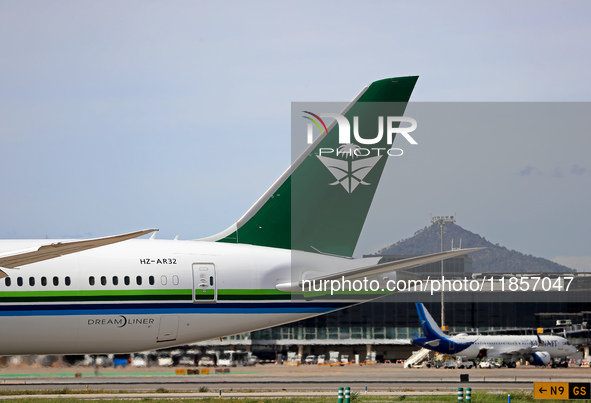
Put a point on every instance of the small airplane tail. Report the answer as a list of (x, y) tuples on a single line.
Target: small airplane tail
[(434, 338), (321, 201), (428, 324)]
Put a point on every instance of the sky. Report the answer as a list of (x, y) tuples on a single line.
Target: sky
[(117, 116)]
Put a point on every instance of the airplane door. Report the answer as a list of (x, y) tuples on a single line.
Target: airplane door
[(204, 283), (169, 325)]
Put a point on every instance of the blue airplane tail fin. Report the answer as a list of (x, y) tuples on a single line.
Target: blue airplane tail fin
[(430, 328), (434, 338)]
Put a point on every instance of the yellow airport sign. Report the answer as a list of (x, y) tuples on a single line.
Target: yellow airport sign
[(562, 390), (550, 390)]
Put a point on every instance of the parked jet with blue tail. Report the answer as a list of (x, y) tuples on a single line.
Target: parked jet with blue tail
[(538, 350)]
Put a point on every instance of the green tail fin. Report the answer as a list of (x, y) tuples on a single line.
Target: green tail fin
[(320, 203)]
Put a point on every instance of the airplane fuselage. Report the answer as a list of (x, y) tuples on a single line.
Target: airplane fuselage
[(501, 346), (146, 294)]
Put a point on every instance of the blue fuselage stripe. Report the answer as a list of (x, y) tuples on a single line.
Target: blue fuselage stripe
[(166, 308)]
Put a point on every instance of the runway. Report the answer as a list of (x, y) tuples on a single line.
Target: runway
[(382, 379)]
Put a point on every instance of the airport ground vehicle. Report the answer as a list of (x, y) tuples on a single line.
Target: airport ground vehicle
[(311, 359), (189, 359), (560, 363), (139, 360), (489, 364), (231, 358), (432, 363), (103, 360), (165, 360), (207, 360), (463, 363), (121, 360)]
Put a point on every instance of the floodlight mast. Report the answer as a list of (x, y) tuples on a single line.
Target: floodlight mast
[(441, 221)]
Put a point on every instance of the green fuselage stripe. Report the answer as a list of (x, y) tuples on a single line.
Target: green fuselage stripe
[(252, 295), (142, 295), (95, 295)]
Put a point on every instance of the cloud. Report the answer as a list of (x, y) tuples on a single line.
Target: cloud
[(529, 170), (557, 172), (577, 170), (579, 263)]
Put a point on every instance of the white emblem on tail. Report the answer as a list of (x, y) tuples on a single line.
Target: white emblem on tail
[(349, 174)]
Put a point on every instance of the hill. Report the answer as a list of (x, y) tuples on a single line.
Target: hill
[(494, 259)]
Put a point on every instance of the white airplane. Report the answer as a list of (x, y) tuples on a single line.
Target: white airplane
[(536, 349), (121, 295)]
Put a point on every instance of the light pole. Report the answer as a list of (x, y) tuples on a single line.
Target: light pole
[(442, 220)]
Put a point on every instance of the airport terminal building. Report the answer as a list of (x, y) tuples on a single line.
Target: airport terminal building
[(386, 325)]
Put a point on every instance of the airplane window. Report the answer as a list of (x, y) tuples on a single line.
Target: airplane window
[(43, 281), (56, 281), (138, 280), (162, 280), (68, 282), (115, 280), (7, 281), (31, 281), (126, 280), (175, 280), (91, 280), (151, 280), (19, 281), (210, 280), (103, 280)]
